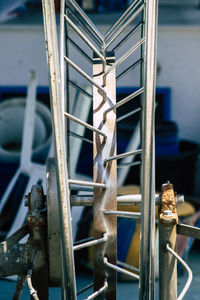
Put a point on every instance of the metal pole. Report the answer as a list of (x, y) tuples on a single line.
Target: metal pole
[(59, 147), (146, 283), (167, 235)]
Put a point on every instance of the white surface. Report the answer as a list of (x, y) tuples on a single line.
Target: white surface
[(178, 55), (23, 48)]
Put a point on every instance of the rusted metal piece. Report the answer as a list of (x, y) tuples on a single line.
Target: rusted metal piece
[(38, 238), (105, 174), (14, 257), (168, 212), (188, 230), (36, 207), (104, 147), (167, 236), (15, 260), (13, 239)]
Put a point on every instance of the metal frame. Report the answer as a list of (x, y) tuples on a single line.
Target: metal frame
[(104, 139), (44, 214)]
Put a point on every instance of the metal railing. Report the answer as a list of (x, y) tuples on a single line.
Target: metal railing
[(104, 185)]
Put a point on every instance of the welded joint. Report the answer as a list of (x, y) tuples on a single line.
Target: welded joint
[(37, 221)]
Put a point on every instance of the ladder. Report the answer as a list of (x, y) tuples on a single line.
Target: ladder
[(141, 17)]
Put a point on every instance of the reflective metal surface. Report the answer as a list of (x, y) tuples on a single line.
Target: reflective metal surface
[(105, 157)]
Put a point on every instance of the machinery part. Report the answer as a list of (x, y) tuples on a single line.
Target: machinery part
[(167, 236), (36, 219), (105, 156), (15, 258)]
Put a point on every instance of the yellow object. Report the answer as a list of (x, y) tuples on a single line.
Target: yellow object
[(133, 251)]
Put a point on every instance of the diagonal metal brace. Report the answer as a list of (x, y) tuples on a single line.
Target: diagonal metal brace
[(188, 230)]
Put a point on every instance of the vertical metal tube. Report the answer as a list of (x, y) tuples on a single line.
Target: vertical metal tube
[(59, 147), (146, 283), (62, 53), (167, 235)]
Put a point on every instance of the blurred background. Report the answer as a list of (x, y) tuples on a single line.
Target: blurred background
[(22, 48), (178, 87)]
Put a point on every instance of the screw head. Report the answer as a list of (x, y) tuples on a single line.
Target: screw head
[(167, 213)]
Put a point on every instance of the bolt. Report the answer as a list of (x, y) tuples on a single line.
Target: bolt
[(180, 199), (168, 213)]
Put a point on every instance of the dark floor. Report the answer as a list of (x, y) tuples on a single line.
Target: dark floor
[(124, 290)]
